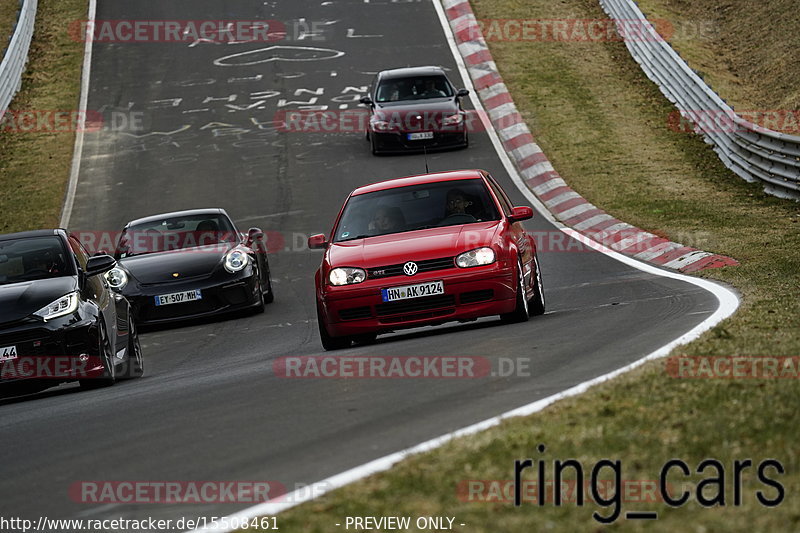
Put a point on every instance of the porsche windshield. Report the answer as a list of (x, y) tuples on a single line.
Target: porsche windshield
[(176, 233), (415, 207), (413, 88), (33, 258)]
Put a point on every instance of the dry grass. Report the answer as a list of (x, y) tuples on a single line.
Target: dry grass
[(9, 10), (747, 50)]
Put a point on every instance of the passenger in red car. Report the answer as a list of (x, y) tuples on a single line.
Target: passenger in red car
[(387, 220)]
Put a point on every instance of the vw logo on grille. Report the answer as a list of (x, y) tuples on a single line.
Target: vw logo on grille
[(410, 268)]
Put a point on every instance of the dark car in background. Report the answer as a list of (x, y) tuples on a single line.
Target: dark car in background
[(190, 264), (59, 320), (415, 109)]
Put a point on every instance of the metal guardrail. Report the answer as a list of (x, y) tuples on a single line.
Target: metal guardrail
[(752, 152), (16, 55)]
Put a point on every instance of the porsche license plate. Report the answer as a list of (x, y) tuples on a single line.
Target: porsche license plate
[(412, 291), (178, 297)]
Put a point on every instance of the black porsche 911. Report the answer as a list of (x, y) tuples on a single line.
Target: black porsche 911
[(190, 264), (59, 321)]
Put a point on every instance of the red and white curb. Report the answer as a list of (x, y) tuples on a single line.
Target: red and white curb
[(539, 175)]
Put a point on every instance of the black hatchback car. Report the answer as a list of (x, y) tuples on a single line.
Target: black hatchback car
[(190, 264), (415, 109), (59, 320)]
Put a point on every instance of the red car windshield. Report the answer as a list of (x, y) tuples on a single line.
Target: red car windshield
[(430, 205)]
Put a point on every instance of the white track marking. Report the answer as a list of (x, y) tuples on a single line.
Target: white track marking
[(77, 154)]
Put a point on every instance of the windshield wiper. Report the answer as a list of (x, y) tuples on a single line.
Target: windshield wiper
[(355, 238)]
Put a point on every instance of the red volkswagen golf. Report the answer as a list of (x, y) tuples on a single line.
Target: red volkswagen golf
[(425, 250)]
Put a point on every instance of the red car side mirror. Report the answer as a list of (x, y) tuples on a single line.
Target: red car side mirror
[(520, 213), (317, 242)]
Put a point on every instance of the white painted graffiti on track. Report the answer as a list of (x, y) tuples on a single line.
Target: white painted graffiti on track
[(277, 53)]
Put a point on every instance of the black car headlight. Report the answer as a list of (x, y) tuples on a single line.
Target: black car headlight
[(477, 257), (235, 261), (346, 276), (117, 278), (383, 125), (65, 305), (453, 120)]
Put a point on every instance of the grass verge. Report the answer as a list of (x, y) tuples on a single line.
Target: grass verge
[(746, 50), (605, 128), (35, 166), (9, 10)]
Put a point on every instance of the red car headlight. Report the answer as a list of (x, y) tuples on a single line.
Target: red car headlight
[(477, 257), (346, 276)]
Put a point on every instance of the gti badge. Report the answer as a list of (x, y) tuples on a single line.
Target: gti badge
[(410, 268)]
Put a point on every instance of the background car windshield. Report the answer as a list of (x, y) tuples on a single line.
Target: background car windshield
[(414, 88), (33, 258), (176, 233), (430, 205)]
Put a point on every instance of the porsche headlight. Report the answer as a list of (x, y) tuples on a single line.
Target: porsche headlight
[(236, 260), (117, 278), (477, 257), (65, 305), (346, 276)]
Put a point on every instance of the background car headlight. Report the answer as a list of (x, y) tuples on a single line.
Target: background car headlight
[(477, 257), (346, 276), (382, 125), (117, 278), (453, 120), (65, 305), (235, 261)]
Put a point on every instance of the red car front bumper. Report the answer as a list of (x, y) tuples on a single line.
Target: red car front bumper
[(468, 294)]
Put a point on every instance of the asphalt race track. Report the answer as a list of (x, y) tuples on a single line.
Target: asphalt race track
[(210, 407)]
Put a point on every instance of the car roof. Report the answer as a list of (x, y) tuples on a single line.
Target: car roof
[(33, 233), (419, 180), (410, 71), (188, 212)]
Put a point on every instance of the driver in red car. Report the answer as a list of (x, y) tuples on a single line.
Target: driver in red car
[(457, 203)]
